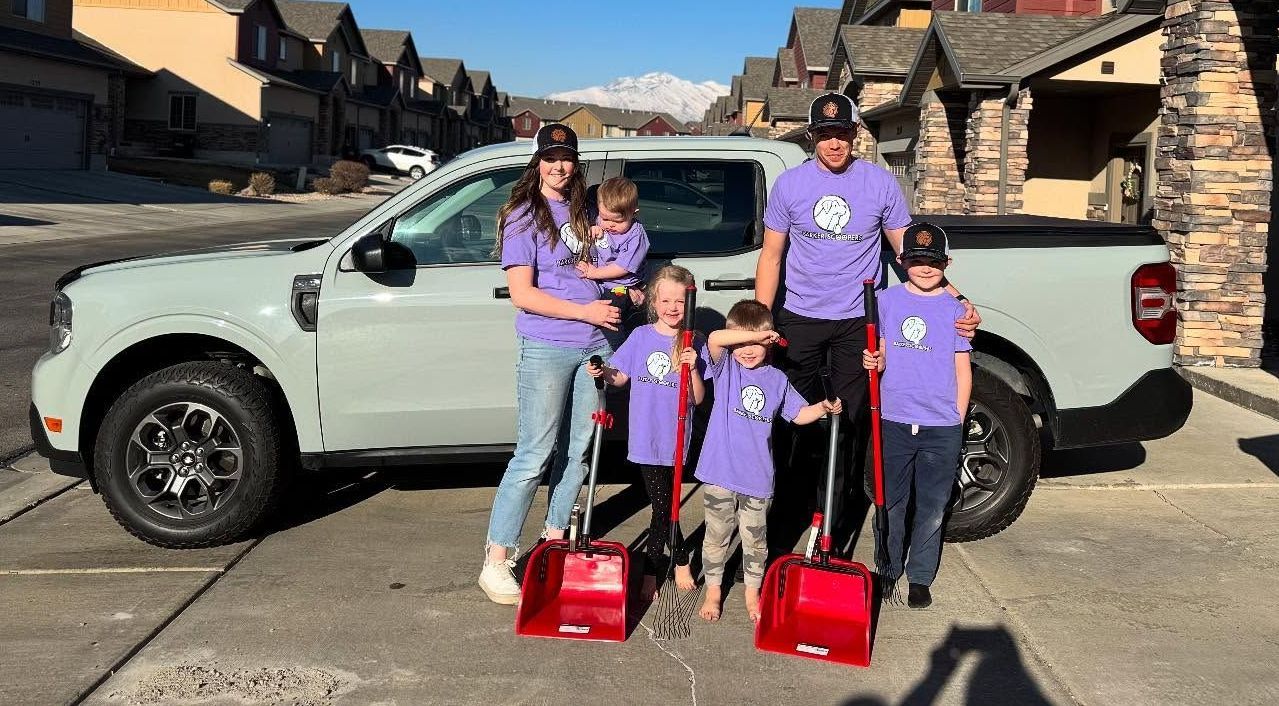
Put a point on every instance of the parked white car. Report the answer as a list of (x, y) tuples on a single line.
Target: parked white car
[(417, 162)]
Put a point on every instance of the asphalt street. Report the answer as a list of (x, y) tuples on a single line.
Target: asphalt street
[(30, 270)]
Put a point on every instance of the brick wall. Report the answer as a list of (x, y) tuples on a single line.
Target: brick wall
[(1215, 169), (939, 158)]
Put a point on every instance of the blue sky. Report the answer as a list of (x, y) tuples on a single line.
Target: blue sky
[(535, 48)]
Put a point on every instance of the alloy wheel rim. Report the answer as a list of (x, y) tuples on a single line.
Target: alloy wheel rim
[(984, 462), (184, 460)]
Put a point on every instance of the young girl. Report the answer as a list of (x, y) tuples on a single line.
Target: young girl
[(651, 360)]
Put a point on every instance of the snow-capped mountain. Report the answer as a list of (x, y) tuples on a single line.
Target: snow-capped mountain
[(657, 91)]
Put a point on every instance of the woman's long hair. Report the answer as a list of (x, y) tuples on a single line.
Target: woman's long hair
[(684, 278), (527, 200)]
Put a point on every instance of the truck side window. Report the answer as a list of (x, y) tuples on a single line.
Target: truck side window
[(459, 223), (699, 206)]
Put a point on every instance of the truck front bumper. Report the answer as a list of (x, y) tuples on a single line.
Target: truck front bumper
[(1153, 407), (67, 463)]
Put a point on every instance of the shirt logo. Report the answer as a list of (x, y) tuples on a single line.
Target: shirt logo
[(830, 110), (570, 238), (831, 214), (914, 329), (752, 399), (659, 364)]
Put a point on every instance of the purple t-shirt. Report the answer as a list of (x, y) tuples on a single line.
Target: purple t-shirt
[(738, 451), (626, 249), (833, 224), (920, 343), (554, 272), (654, 372)]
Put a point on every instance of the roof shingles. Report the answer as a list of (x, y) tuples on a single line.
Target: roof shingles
[(984, 43), (791, 103), (879, 49), (816, 27)]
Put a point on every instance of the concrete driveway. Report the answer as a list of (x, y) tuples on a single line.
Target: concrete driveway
[(52, 205), (1141, 574)]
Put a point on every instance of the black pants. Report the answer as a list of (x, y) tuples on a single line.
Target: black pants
[(659, 482), (801, 451)]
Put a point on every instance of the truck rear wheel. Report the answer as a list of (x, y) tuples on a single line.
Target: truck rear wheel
[(189, 456), (999, 464)]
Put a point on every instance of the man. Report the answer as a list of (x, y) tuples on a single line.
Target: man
[(824, 219)]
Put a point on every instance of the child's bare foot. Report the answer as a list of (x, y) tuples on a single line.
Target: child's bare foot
[(684, 578), (710, 606), (752, 603), (649, 588)]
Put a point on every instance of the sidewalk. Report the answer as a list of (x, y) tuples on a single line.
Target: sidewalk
[(38, 206), (1251, 388)]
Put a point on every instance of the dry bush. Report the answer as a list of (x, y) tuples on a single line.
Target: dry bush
[(262, 184), (352, 175), (222, 186)]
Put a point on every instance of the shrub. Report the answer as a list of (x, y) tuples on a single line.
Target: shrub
[(262, 184), (325, 185), (351, 174), (222, 186)]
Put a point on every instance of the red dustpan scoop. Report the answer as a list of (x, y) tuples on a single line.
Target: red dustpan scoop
[(575, 588), (818, 606)]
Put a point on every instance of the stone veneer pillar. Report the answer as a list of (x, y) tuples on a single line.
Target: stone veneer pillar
[(984, 157), (939, 159), (1215, 165), (873, 94)]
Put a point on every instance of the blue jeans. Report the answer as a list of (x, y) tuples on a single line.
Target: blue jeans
[(555, 399), (929, 461)]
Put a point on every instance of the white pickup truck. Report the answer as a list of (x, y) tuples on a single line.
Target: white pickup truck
[(185, 387)]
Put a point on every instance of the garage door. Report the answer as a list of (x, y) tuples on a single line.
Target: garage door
[(39, 131), (289, 140)]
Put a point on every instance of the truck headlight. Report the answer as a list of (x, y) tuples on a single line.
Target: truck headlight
[(60, 323)]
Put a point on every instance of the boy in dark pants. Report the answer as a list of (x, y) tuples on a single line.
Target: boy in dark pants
[(926, 383)]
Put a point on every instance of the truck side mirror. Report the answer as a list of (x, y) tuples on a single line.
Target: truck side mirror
[(368, 254)]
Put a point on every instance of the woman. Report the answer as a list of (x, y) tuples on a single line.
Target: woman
[(542, 234)]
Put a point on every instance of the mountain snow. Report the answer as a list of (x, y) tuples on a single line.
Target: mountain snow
[(658, 91)]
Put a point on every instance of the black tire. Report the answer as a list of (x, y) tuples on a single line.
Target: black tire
[(416, 172), (1000, 504), (179, 392)]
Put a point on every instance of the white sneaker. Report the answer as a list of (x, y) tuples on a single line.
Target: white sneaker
[(498, 582)]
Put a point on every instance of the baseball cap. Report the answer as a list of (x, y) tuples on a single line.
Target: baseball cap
[(555, 135), (925, 240), (832, 109)]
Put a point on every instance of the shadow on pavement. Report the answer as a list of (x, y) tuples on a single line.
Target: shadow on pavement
[(1081, 462), (1264, 448), (999, 676)]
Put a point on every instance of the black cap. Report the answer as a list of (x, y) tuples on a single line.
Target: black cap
[(555, 135), (925, 240), (832, 109)]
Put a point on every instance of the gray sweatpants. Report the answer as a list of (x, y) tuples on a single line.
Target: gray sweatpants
[(726, 511)]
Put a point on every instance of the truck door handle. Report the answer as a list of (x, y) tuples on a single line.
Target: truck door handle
[(501, 292), (719, 285)]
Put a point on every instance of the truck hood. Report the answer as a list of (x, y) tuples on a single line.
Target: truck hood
[(257, 249)]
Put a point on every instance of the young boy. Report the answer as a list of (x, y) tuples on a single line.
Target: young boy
[(925, 388), (623, 243), (736, 463)]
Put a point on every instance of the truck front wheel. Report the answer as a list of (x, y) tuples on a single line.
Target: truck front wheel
[(999, 463), (189, 456)]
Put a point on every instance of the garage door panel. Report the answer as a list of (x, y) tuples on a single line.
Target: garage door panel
[(289, 140), (39, 131)]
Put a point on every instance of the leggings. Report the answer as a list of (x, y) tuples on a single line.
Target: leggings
[(658, 481)]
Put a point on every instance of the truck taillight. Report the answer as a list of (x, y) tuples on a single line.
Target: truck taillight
[(1154, 315)]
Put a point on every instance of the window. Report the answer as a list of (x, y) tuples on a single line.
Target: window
[(336, 62), (459, 224), (259, 43), (528, 123), (29, 9), (284, 49), (968, 5), (355, 72), (181, 111), (699, 206)]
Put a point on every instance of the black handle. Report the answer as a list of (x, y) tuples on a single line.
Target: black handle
[(719, 285), (599, 381), (501, 292), (827, 386), (690, 307), (868, 300)]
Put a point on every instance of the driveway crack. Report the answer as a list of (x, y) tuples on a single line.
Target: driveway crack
[(692, 675), (1194, 519)]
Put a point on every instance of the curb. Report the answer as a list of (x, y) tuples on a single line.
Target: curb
[(1268, 406)]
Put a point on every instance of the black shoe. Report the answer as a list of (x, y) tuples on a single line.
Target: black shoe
[(919, 597)]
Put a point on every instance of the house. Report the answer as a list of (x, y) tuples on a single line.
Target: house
[(785, 75), (585, 121), (786, 110), (529, 114), (869, 65), (352, 108), (488, 115), (447, 79), (1043, 114), (811, 35), (61, 95), (412, 117), (227, 79)]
